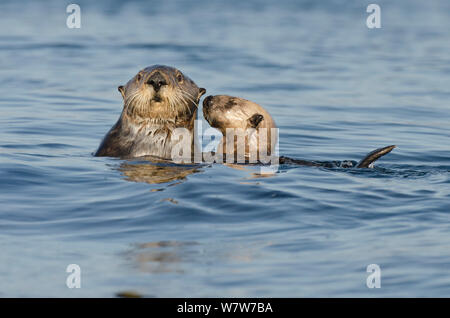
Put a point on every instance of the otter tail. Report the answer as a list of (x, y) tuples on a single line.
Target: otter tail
[(371, 157)]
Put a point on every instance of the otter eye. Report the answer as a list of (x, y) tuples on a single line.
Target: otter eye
[(179, 77), (138, 77)]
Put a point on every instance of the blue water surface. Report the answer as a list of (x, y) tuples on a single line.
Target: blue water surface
[(336, 90)]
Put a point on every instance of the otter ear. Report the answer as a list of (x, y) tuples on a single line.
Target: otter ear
[(122, 91), (255, 120), (201, 92)]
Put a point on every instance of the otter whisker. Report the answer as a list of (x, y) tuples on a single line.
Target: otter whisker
[(178, 99), (186, 99), (189, 99)]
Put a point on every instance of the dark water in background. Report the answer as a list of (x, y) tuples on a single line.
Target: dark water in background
[(336, 90)]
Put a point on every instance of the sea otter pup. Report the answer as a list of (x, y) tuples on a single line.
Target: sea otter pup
[(227, 112), (157, 100), (238, 116)]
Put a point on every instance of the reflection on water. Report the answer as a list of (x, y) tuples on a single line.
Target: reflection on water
[(180, 257), (156, 170), (128, 294), (162, 257), (153, 171), (254, 171)]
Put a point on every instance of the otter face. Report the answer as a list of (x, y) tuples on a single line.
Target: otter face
[(222, 112), (161, 92)]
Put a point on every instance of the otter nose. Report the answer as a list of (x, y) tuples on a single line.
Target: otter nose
[(156, 80), (208, 101)]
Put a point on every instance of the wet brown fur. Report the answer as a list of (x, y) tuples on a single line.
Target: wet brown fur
[(149, 116)]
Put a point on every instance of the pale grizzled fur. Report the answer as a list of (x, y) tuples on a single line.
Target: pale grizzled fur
[(233, 113), (150, 115)]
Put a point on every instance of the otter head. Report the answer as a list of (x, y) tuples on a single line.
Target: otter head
[(161, 92), (227, 112), (222, 112)]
